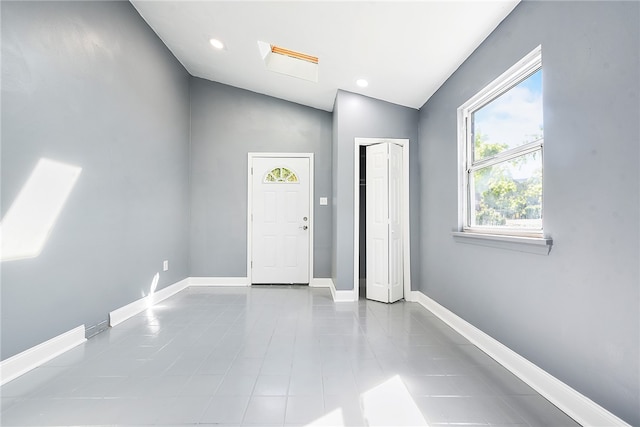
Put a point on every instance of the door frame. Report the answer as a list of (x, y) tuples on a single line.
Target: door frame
[(406, 246), (250, 157)]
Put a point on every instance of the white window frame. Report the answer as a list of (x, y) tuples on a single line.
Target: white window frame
[(509, 79)]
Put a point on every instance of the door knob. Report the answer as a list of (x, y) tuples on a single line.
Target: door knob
[(304, 227)]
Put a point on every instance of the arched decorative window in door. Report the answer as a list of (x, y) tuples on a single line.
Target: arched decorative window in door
[(281, 175)]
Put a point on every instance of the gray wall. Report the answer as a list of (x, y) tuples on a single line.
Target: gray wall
[(226, 124), (575, 313), (357, 116), (89, 84)]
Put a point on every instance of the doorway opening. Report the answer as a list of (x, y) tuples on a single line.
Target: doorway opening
[(362, 263)]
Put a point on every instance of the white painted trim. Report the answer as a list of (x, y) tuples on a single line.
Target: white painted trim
[(33, 357), (406, 236), (218, 281), (321, 282), (579, 407), (312, 205), (121, 314), (533, 245), (341, 295)]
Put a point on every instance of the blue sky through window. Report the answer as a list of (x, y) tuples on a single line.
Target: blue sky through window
[(515, 117)]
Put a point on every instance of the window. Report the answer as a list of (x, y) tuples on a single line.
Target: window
[(280, 175), (501, 139)]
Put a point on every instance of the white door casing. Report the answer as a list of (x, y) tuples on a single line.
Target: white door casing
[(384, 242), (280, 222)]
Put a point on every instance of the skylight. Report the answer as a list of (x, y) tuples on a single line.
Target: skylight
[(289, 62)]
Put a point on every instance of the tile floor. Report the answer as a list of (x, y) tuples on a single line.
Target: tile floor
[(281, 356)]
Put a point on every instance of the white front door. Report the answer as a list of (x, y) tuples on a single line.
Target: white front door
[(280, 220), (384, 226)]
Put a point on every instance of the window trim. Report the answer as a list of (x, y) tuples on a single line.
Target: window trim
[(533, 245), (524, 68)]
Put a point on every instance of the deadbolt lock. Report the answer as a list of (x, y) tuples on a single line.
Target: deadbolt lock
[(304, 218)]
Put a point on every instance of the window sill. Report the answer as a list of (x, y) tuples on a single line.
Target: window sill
[(533, 245)]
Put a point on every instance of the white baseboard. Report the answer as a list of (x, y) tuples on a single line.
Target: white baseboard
[(321, 282), (342, 295), (29, 359), (123, 313), (579, 407), (218, 281)]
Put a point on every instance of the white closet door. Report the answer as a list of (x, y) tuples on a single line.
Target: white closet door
[(384, 227), (396, 271)]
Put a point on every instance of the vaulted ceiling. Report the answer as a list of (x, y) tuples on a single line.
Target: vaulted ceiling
[(405, 50)]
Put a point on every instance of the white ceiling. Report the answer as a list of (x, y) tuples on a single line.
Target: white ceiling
[(406, 50)]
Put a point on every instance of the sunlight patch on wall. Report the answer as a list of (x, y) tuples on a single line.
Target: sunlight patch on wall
[(25, 228), (390, 404)]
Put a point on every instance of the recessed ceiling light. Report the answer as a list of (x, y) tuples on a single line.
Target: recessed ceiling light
[(362, 83), (217, 44)]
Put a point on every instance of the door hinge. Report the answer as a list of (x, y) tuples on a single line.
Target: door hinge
[(252, 170), (251, 264)]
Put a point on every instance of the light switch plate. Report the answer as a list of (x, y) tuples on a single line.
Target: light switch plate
[(323, 201), (165, 265)]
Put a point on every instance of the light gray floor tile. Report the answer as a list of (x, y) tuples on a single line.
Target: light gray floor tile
[(7, 402), (276, 366), (153, 367), (261, 356), (237, 385), (303, 409), (32, 381), (184, 367), (305, 385), (225, 409), (347, 406), (537, 411), (30, 412), (271, 385), (98, 388), (183, 410), (245, 366), (215, 365), (472, 385), (504, 382), (466, 410), (266, 410), (201, 385), (61, 387), (142, 411), (433, 385), (339, 385)]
